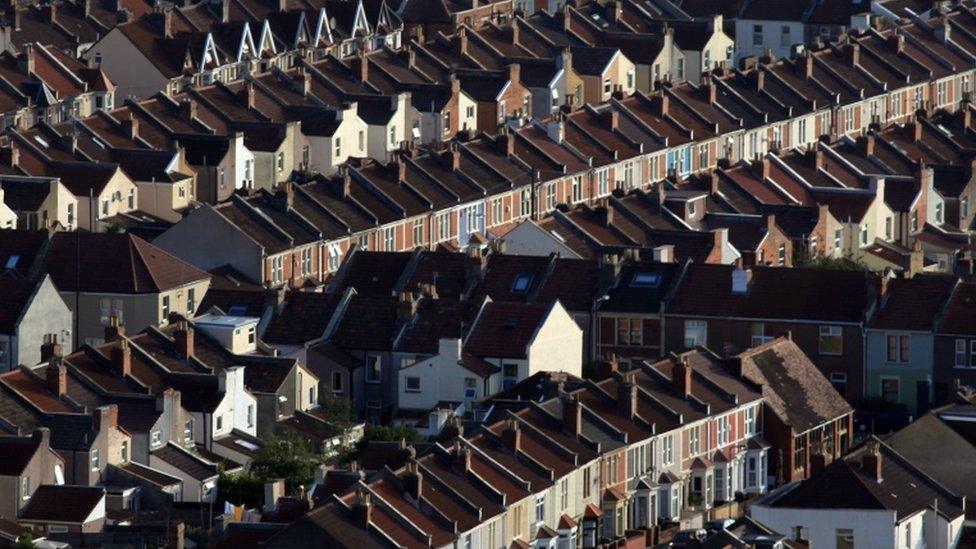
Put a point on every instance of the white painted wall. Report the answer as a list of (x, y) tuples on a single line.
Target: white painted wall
[(871, 528), (558, 345)]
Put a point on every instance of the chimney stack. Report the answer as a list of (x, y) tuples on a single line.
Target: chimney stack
[(121, 356), (56, 377), (627, 397), (51, 349), (183, 338), (872, 461), (406, 307), (114, 329), (572, 415), (681, 375), (413, 481), (362, 510), (512, 436)]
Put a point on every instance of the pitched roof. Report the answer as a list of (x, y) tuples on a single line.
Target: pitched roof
[(926, 443), (958, 317), (62, 503), (17, 454), (774, 293), (15, 296), (186, 462), (793, 386), (504, 330), (912, 304), (847, 484), (304, 317), (115, 263)]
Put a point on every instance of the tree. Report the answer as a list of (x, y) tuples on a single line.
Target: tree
[(289, 457), (24, 541), (337, 412), (390, 433), (832, 263)]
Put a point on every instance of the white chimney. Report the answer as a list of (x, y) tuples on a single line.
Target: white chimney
[(664, 254)]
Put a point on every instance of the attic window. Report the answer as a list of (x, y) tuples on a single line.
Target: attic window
[(646, 280), (521, 284), (12, 262)]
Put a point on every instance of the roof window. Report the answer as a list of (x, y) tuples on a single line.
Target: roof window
[(521, 284), (646, 280)]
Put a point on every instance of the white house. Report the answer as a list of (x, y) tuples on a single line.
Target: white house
[(507, 343), (873, 497)]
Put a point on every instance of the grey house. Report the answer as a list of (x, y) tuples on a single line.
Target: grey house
[(31, 315)]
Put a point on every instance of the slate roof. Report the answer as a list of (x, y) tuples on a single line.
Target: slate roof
[(18, 453), (846, 484), (774, 293), (793, 386), (62, 503), (913, 304), (504, 330), (958, 317), (115, 263), (304, 317), (15, 296), (186, 462), (928, 441)]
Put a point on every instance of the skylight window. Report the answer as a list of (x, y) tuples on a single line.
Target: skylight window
[(521, 284), (12, 261), (41, 140), (646, 280)]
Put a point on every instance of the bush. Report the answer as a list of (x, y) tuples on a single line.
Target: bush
[(288, 457), (245, 489)]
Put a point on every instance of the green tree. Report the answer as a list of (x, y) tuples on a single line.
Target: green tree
[(337, 412), (832, 263), (289, 457), (390, 433), (24, 541)]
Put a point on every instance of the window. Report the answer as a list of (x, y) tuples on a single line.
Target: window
[(849, 119), (941, 95), (306, 261), (25, 487), (191, 300), (961, 361), (723, 430), (963, 209), (338, 148), (124, 451), (373, 369), (188, 430), (444, 226), (104, 206), (393, 136), (801, 130), (757, 35), (220, 423), (781, 254), (908, 534), (502, 112), (800, 452), (165, 307), (630, 331), (706, 60), (509, 375), (156, 438), (335, 257), (277, 270), (831, 340), (362, 140), (389, 239), (938, 212), (750, 421), (888, 227), (540, 508), (839, 381), (680, 68), (630, 79), (412, 384), (418, 232), (577, 189), (702, 157), (606, 86), (915, 221), (586, 482), (889, 389), (694, 440), (526, 202), (306, 156), (521, 284), (497, 211), (94, 459), (551, 195), (784, 36), (864, 235), (919, 97), (251, 335), (470, 388), (696, 332), (897, 348), (667, 450), (837, 238), (281, 162), (603, 182), (564, 493)]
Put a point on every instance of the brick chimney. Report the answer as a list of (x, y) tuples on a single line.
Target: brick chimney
[(854, 54), (572, 415), (872, 461), (56, 377), (51, 348), (613, 119), (362, 510), (463, 457), (130, 126), (627, 397), (189, 108), (360, 66), (514, 73), (681, 375), (413, 481), (761, 168), (121, 356), (455, 152), (43, 436), (114, 329), (249, 94), (807, 65), (183, 338), (512, 436), (865, 144)]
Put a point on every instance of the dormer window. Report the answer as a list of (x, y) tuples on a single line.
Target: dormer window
[(646, 280), (521, 284), (692, 209)]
